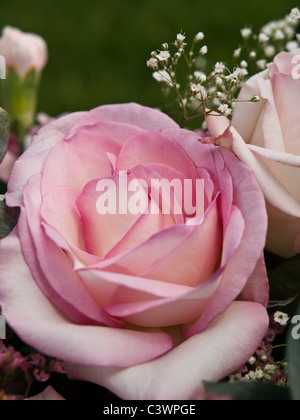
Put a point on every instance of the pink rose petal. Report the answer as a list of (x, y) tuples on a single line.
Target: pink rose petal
[(227, 343)]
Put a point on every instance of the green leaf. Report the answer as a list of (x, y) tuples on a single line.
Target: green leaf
[(293, 355), (4, 132), (285, 285), (8, 218), (249, 391)]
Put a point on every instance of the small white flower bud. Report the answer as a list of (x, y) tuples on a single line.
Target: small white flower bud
[(295, 14), (219, 81), (163, 77), (199, 37), (269, 51), (237, 53), (279, 35), (281, 318), (263, 38), (177, 56), (152, 64), (246, 33), (203, 50), (259, 374), (292, 45), (219, 67), (225, 110), (180, 38), (270, 369), (261, 64), (200, 76), (163, 56)]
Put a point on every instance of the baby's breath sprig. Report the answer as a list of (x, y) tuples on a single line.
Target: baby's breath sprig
[(216, 91), (203, 92), (262, 366), (258, 50)]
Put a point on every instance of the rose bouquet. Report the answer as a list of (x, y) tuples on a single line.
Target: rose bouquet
[(154, 252)]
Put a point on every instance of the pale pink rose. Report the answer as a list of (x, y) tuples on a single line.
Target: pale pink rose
[(143, 305), (23, 51), (268, 141)]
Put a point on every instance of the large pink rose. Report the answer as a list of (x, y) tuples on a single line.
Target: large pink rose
[(268, 141), (148, 305)]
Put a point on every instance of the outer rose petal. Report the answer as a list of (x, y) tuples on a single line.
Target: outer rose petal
[(32, 160), (283, 62), (76, 165), (246, 117), (226, 344), (132, 114), (257, 288), (41, 325), (272, 188), (286, 91)]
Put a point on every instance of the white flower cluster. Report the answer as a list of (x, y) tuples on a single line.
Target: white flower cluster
[(215, 90), (261, 373), (274, 37), (262, 367)]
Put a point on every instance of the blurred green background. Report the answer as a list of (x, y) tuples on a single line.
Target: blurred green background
[(98, 49)]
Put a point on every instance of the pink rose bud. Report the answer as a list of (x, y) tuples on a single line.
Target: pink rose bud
[(25, 56), (23, 51)]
